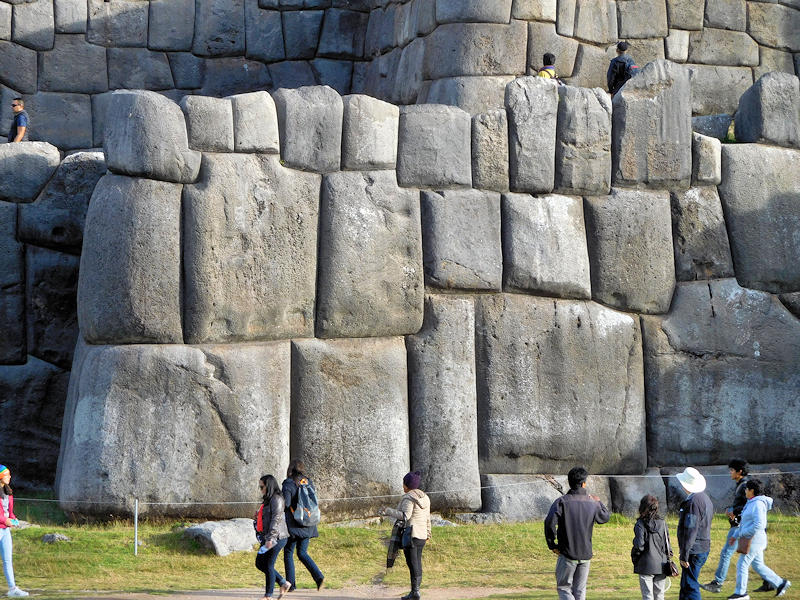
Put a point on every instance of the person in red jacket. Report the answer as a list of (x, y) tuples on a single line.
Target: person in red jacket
[(7, 521)]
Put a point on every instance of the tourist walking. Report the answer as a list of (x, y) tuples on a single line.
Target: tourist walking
[(694, 531), (651, 550), (298, 484), (270, 525), (621, 69), (7, 521), (568, 531), (19, 124), (751, 536), (415, 510)]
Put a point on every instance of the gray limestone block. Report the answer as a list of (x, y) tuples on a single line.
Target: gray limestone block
[(255, 123), (264, 39), (442, 406), (385, 37), (726, 14), (408, 80), (476, 49), (762, 18), (370, 276), (249, 250), (461, 240), (145, 135), (565, 17), (685, 14), (544, 246), (792, 302), (522, 400), (6, 114), (219, 28), (490, 151), (183, 411), (542, 37), (769, 112), (651, 138), (138, 68), (583, 141), (25, 168), (474, 94), (129, 290), (234, 75), (223, 537), (591, 64), (642, 19), (434, 147), (337, 74), (188, 70), (33, 24), (722, 47), (473, 11), (627, 492), (12, 285), (292, 74), (209, 123), (100, 104), (644, 50), (426, 16), (773, 60), (372, 45), (630, 250), (310, 120), (405, 29), (762, 212), (57, 216), (18, 67), (723, 351), (596, 21), (706, 160), (369, 133), (532, 106), (350, 419), (343, 34), (715, 126), (676, 45), (5, 21), (717, 89), (118, 23), (74, 65), (699, 236), (171, 25), (70, 16), (534, 10), (51, 285), (381, 78)]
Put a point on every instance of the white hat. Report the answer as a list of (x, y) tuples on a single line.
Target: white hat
[(691, 480)]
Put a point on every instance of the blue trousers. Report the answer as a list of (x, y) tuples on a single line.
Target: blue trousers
[(725, 555), (302, 553), (5, 553), (755, 559), (266, 562), (690, 578)]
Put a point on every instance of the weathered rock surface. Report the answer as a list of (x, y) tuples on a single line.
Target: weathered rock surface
[(542, 37), (715, 126), (717, 89), (627, 492), (473, 11), (642, 19), (522, 398), (461, 239), (685, 14), (350, 419), (118, 23), (596, 21), (264, 36), (539, 10), (209, 123), (18, 67), (474, 94), (706, 160), (301, 32), (255, 123), (249, 250), (722, 352), (342, 34), (171, 25), (762, 212), (676, 45), (223, 537), (370, 275), (442, 404), (490, 151), (219, 28), (722, 47), (33, 25), (792, 302), (57, 69), (134, 68), (769, 112), (234, 75), (12, 287), (773, 60), (726, 14), (369, 133), (70, 16), (64, 120), (25, 168), (774, 25)]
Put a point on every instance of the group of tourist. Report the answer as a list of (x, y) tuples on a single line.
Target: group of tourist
[(620, 70)]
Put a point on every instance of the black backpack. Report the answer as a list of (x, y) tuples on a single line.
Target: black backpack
[(621, 72)]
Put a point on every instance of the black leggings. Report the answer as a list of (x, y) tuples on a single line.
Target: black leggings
[(414, 561)]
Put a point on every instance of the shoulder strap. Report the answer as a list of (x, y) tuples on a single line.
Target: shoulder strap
[(666, 539)]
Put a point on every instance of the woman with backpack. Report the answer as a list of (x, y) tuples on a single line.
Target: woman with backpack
[(651, 550), (295, 487), (270, 525), (7, 521)]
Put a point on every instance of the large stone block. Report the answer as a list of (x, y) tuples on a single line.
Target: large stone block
[(542, 37), (762, 212), (70, 16), (188, 70), (219, 28), (350, 419), (534, 10), (264, 39), (722, 47), (64, 120), (408, 81), (5, 21), (731, 354), (651, 138), (726, 14), (183, 412), (433, 148), (343, 34), (337, 74), (18, 67), (145, 135), (301, 31), (369, 133), (532, 106), (769, 112), (630, 250), (171, 25), (583, 141), (370, 276), (33, 24), (12, 287), (642, 19), (596, 21), (699, 236), (25, 168), (461, 239), (774, 60), (249, 248), (774, 25), (209, 123), (676, 45), (717, 89), (522, 398), (706, 160), (715, 126), (591, 64), (565, 17), (138, 68), (310, 120), (74, 65), (490, 151), (792, 302), (476, 49), (474, 94), (685, 14), (223, 537), (473, 11), (292, 74), (234, 75), (255, 123), (627, 492), (443, 410), (129, 289), (118, 23), (544, 246)]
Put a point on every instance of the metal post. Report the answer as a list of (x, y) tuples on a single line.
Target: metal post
[(135, 526)]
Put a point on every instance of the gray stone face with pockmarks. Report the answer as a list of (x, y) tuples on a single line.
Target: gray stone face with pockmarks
[(25, 168), (490, 151), (369, 133), (118, 23), (71, 15), (135, 68), (58, 70), (769, 112), (18, 67), (473, 11), (706, 160), (219, 28), (33, 24), (171, 25), (209, 123), (64, 120), (12, 288), (255, 123)]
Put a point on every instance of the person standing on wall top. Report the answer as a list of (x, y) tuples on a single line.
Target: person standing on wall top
[(299, 534), (694, 531), (548, 70), (568, 531), (738, 469), (19, 126), (7, 521), (621, 69)]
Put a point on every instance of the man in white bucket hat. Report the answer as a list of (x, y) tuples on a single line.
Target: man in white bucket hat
[(694, 531)]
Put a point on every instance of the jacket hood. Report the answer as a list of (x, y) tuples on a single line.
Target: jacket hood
[(419, 498), (765, 500)]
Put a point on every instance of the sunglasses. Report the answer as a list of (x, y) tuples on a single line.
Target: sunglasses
[(14, 105)]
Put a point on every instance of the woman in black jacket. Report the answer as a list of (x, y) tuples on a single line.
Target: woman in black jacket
[(270, 524), (651, 550), (299, 535)]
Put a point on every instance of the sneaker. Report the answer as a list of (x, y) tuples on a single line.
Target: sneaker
[(712, 586), (285, 587), (781, 588), (766, 586), (739, 597), (15, 592)]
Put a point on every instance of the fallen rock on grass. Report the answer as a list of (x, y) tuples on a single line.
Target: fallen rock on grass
[(224, 537), (52, 538)]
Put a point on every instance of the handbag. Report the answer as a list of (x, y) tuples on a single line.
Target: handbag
[(407, 537), (743, 546), (670, 569)]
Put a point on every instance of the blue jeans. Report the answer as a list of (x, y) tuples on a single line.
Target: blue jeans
[(571, 578), (755, 559), (690, 578), (266, 562), (725, 555), (302, 554), (5, 553)]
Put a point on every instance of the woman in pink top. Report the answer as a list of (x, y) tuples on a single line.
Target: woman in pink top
[(7, 521)]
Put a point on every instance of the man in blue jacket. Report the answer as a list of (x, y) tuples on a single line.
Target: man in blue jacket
[(694, 531), (621, 69)]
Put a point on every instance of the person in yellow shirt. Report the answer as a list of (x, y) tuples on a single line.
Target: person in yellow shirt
[(548, 70)]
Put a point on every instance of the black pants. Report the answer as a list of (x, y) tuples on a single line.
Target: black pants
[(414, 562)]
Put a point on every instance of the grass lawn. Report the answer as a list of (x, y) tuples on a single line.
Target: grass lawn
[(100, 558)]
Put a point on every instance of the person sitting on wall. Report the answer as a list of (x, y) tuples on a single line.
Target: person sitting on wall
[(548, 70), (19, 125), (621, 69)]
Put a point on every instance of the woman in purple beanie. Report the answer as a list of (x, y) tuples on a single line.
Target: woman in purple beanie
[(7, 521)]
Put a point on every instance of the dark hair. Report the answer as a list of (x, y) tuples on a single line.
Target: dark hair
[(739, 464), (648, 507), (622, 46), (296, 469), (755, 485), (20, 100), (576, 476), (271, 487), (7, 490), (549, 59)]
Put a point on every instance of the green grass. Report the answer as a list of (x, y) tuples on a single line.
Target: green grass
[(100, 558)]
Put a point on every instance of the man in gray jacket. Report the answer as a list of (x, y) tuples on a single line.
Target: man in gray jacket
[(694, 531)]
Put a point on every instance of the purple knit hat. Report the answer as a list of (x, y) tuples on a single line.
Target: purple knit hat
[(412, 480)]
